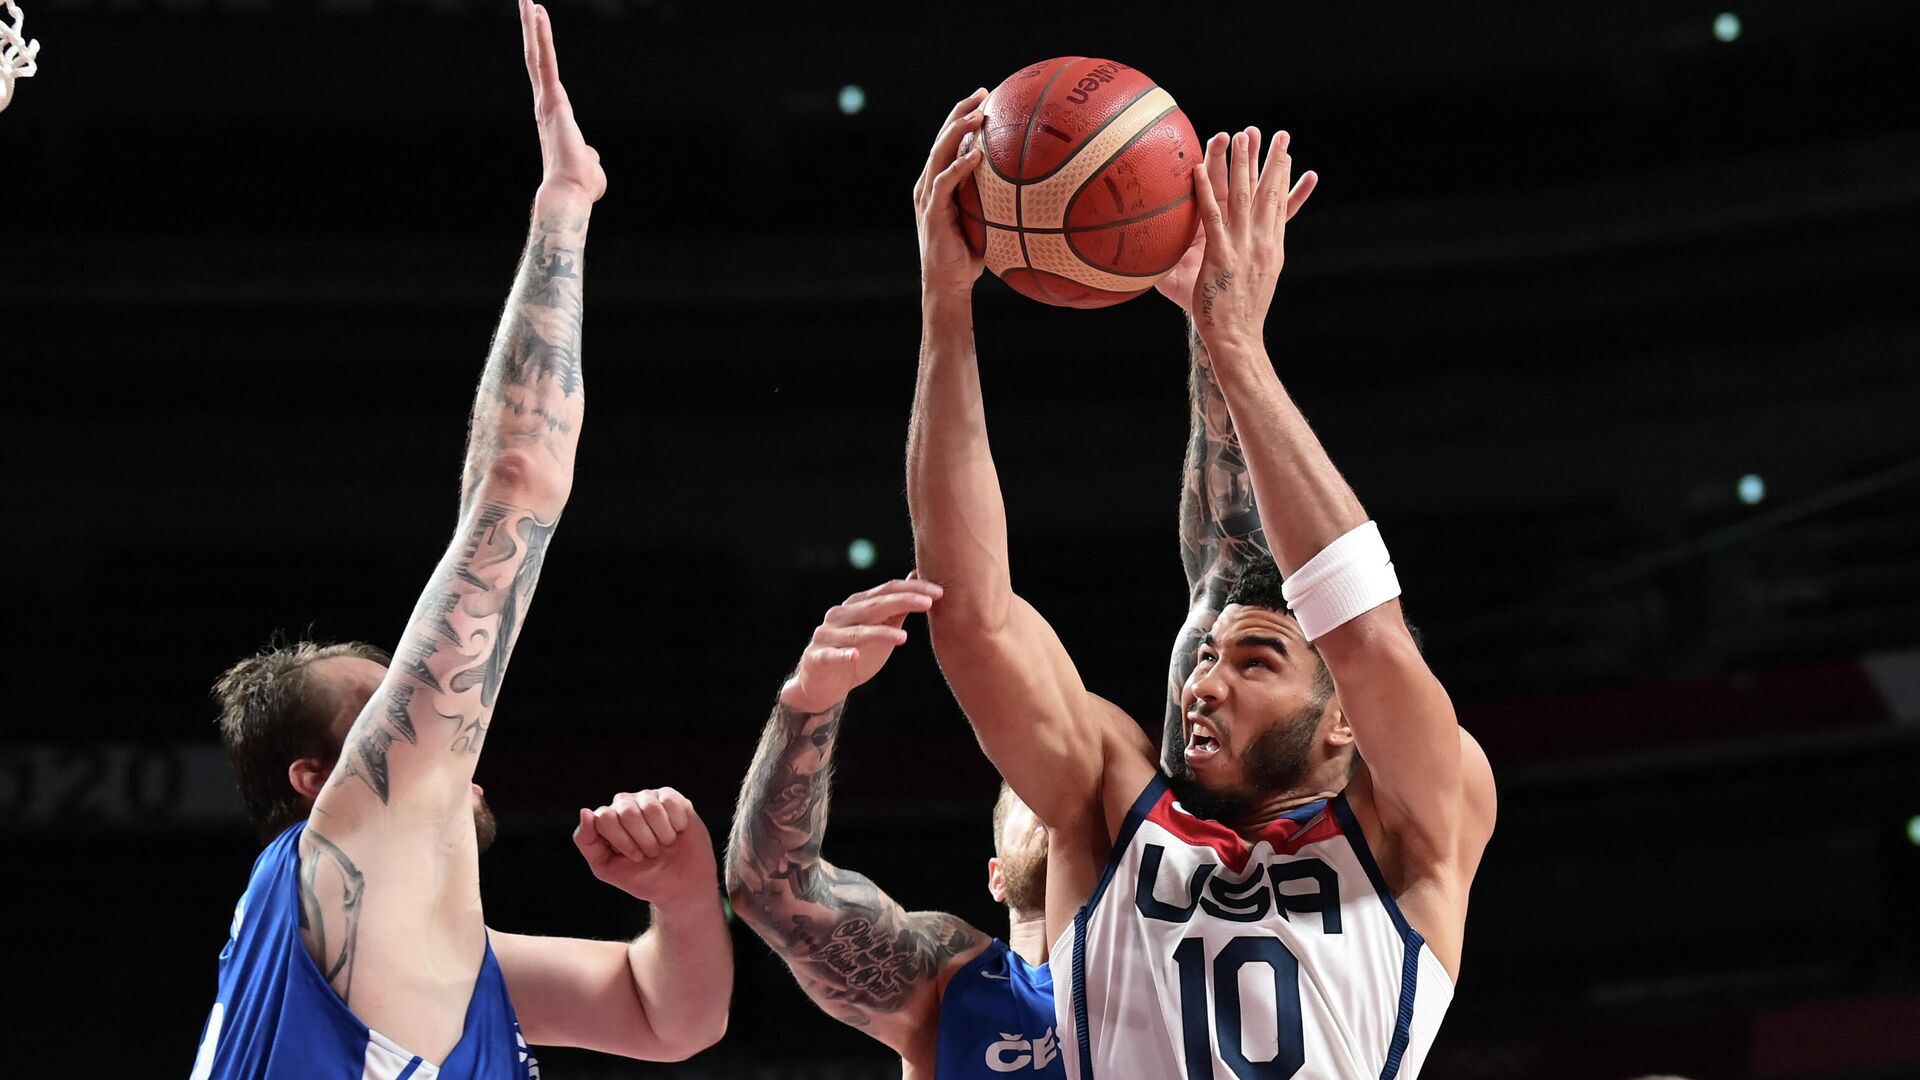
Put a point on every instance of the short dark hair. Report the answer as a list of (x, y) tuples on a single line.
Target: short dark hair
[(271, 717), (1259, 586)]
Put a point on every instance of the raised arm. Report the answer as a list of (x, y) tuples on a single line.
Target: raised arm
[(661, 997), (1008, 670), (1219, 522), (416, 743), (1427, 791), (858, 954)]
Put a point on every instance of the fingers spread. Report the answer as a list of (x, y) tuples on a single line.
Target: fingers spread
[(1212, 223), (1276, 179), (1240, 175), (1301, 189), (1216, 159)]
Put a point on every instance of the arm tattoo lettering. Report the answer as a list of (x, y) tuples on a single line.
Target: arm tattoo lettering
[(331, 888), (851, 946), (1220, 529)]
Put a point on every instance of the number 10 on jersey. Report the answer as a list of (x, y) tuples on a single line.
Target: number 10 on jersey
[(1191, 959)]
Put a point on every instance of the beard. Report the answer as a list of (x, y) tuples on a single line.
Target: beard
[(484, 827), (1024, 873), (1275, 761)]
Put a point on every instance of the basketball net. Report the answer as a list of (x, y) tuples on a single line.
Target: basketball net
[(16, 52)]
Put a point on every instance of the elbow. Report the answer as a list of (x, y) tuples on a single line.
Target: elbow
[(695, 1037), (533, 481), (965, 620)]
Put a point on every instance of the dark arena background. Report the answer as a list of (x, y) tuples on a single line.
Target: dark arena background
[(1607, 310)]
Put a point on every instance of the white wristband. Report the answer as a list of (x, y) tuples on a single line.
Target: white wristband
[(1350, 577)]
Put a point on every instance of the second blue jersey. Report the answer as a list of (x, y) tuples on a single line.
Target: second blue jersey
[(997, 1018), (275, 1018)]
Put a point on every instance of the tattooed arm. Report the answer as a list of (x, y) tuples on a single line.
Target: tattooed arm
[(390, 881), (1219, 521), (856, 952), (1219, 526)]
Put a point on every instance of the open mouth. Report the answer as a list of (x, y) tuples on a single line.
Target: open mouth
[(1201, 746)]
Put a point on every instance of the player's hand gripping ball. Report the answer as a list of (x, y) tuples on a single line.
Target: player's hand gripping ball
[(650, 845), (1085, 195)]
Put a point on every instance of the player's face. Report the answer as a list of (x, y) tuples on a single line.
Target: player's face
[(351, 681), (1252, 715)]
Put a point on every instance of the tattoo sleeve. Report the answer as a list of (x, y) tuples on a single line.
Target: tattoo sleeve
[(434, 707), (331, 888), (1219, 522), (854, 950)]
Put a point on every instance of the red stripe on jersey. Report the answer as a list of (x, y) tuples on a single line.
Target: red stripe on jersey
[(1285, 835)]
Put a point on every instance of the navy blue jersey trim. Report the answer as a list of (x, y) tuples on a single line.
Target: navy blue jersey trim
[(1136, 814), (1410, 965), (1350, 825), (1403, 1023), (412, 1067), (1080, 992)]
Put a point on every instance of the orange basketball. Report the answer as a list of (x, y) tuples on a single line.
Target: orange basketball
[(1085, 196)]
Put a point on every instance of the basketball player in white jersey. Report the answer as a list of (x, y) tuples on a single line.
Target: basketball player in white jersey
[(359, 947), (1296, 906), (953, 1002)]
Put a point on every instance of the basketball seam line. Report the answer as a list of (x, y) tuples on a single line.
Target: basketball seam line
[(1134, 220), (1087, 138), (1104, 166), (1026, 138)]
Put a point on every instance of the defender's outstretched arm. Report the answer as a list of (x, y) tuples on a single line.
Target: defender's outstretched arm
[(402, 785), (859, 955)]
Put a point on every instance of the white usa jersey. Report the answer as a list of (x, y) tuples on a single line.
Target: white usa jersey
[(1201, 956)]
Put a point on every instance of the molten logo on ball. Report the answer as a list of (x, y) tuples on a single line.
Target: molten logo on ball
[(1094, 80), (1085, 196)]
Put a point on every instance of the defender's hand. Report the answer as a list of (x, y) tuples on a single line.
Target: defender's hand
[(946, 263), (853, 642), (650, 845), (1244, 217), (1177, 286), (568, 162)]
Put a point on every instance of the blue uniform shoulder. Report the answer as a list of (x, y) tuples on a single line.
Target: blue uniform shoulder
[(997, 1017)]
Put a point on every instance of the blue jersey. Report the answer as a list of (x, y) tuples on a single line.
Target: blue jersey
[(997, 1018), (276, 1018)]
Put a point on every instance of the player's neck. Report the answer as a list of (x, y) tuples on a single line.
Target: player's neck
[(1027, 936), (1269, 810)]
